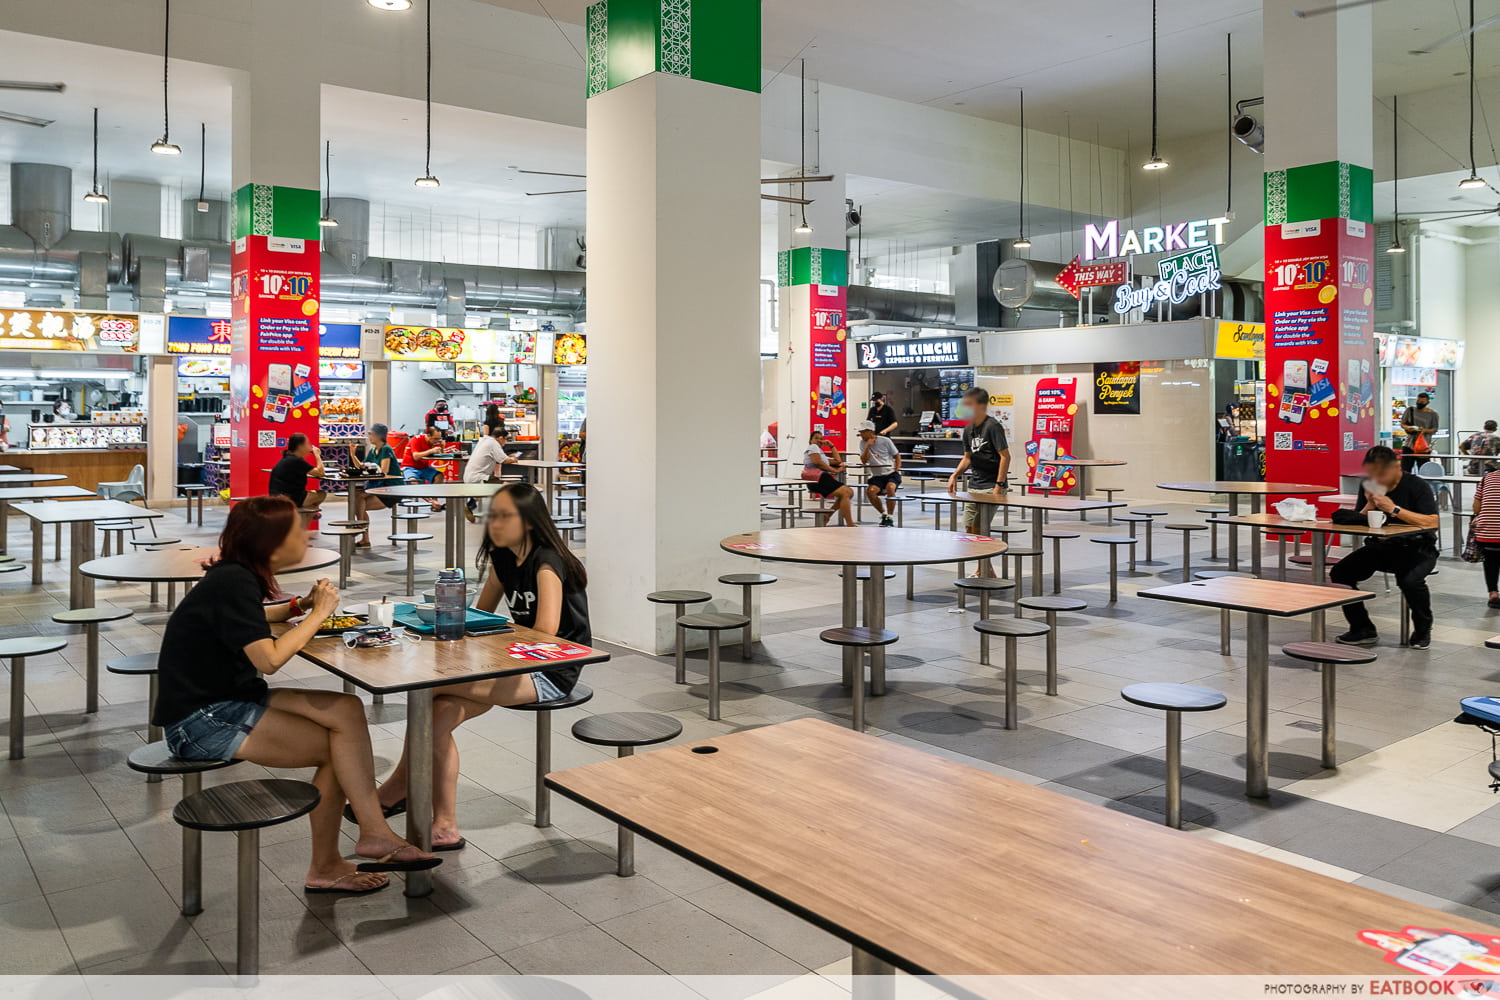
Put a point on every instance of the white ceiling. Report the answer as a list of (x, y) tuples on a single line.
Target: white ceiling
[(1437, 195)]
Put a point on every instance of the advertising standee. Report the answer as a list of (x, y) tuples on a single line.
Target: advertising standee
[(829, 341), (1054, 411)]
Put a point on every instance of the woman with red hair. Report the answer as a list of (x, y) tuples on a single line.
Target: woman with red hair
[(214, 703)]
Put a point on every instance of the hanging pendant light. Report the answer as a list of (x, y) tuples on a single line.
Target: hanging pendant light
[(164, 146), (1156, 162), (1396, 246), (390, 4), (95, 196), (1023, 243), (327, 221), (1472, 181), (802, 227), (202, 205), (427, 180)]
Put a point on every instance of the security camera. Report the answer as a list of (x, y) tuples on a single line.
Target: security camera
[(1246, 127)]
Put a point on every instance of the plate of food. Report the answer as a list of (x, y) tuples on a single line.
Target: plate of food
[(399, 340), (341, 623)]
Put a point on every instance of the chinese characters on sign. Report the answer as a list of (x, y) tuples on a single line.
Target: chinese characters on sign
[(65, 330)]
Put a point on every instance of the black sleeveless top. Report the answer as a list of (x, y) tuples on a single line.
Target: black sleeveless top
[(519, 583)]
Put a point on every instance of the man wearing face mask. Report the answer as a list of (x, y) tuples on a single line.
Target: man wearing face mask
[(439, 417), (1418, 421), (883, 415)]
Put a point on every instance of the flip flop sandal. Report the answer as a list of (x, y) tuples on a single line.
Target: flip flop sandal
[(457, 845), (332, 888), (385, 864), (388, 811)]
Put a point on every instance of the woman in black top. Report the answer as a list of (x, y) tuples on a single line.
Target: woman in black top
[(289, 475), (542, 586), (215, 705), (492, 418)]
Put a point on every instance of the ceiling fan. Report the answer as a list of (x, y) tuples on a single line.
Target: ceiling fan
[(16, 116), (1334, 8), (763, 180)]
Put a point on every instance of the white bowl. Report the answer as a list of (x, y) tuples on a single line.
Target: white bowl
[(426, 613)]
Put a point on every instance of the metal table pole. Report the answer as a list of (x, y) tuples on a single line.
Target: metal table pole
[(850, 620), (1257, 695), (875, 618), (1320, 577), (81, 588), (1458, 531), (1255, 538), (1083, 489), (419, 784), (353, 502), (453, 544), (4, 524), (1234, 533), (873, 978), (36, 552)]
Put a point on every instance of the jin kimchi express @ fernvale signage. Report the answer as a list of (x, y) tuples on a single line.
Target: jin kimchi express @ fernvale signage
[(1108, 241), (930, 353), (1180, 278)]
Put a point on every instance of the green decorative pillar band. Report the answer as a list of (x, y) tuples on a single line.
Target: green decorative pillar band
[(812, 266), (268, 210), (1332, 190), (715, 41)]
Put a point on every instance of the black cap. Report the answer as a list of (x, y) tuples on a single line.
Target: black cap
[(1423, 395), (876, 395)]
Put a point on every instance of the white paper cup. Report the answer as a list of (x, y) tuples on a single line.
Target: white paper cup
[(382, 614), (1375, 518)]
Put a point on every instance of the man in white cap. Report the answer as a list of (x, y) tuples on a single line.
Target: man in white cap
[(882, 464)]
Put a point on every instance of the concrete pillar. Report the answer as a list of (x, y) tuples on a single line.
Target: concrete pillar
[(161, 417), (276, 266), (812, 270), (674, 233), (1322, 385)]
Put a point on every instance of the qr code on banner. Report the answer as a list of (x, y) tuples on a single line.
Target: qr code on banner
[(1348, 440), (1283, 441), (267, 439)]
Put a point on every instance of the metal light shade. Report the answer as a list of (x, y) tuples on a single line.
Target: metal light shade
[(426, 182), (96, 198), (1022, 244), (1471, 182), (164, 148), (328, 223), (1396, 247), (1155, 163), (390, 4)]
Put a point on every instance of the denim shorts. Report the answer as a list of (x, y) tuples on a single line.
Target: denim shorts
[(545, 689), (215, 731), (427, 475)]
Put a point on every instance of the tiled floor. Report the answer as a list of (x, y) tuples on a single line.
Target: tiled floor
[(89, 862)]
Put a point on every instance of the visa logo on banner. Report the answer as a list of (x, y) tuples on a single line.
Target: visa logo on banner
[(1106, 241)]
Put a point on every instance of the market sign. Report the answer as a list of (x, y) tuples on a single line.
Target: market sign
[(935, 353), (67, 330), (198, 335), (1181, 278), (1077, 275), (1245, 341), (1117, 387), (1106, 240)]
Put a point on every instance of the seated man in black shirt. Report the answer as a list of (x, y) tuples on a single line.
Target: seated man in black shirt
[(289, 476), (1404, 498)]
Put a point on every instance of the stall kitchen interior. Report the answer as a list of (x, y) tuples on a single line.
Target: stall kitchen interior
[(725, 499)]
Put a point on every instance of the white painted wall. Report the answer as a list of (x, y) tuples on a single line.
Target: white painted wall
[(1476, 398)]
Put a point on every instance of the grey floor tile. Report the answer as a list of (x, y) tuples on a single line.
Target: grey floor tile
[(391, 934), (684, 939), (771, 925), (16, 879), (501, 909), (33, 942), (1463, 871), (109, 921), (304, 946), (587, 951)]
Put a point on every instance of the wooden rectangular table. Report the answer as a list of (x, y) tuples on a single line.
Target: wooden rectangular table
[(417, 668), (1321, 526), (936, 868), (1457, 482), (1260, 600), (1256, 491), (1022, 500), (56, 492), (81, 514)]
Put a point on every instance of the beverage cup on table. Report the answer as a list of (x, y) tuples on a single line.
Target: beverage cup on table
[(1375, 518), (382, 613)]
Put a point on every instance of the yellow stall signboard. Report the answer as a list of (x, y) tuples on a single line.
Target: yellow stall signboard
[(1246, 341)]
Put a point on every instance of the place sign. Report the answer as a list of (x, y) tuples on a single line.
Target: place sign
[(1108, 241), (932, 353), (1181, 278)]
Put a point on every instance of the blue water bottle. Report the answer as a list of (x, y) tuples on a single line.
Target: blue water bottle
[(452, 602)]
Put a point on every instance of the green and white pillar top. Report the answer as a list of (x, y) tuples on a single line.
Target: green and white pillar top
[(715, 41)]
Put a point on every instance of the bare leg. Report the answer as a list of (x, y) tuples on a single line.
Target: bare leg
[(873, 493), (324, 727), (841, 498), (328, 864)]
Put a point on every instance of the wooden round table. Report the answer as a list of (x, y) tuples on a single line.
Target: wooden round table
[(453, 544), (1083, 465), (1234, 489), (181, 564), (875, 548)]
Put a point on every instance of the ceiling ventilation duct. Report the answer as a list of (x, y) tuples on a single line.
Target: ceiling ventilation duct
[(41, 199), (894, 305)]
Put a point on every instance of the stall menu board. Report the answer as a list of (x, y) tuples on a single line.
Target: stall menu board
[(1053, 413), (1419, 352), (338, 341), (340, 371), (203, 367), (450, 344), (570, 349), (476, 373), (68, 330), (1117, 387), (202, 335)]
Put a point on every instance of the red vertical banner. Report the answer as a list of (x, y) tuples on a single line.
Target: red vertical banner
[(1053, 413), (828, 343), (274, 339), (1320, 355)]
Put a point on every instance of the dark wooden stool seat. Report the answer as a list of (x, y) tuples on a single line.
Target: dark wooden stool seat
[(580, 694), (149, 542), (1058, 537), (1109, 497), (1150, 519), (984, 586), (747, 582), (1050, 606), (784, 511), (863, 573), (410, 539), (346, 532), (854, 640), (1328, 656), (1213, 529), (16, 651), (1174, 699), (1009, 629), (137, 663), (714, 622), (625, 731), (1220, 574), (91, 616), (154, 760), (244, 808), (12, 567), (1493, 642), (90, 619), (1187, 530), (680, 599), (1114, 542)]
